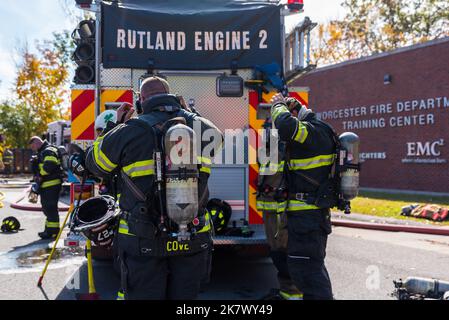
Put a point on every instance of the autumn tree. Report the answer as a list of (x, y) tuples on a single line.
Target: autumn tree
[(41, 90), (374, 26)]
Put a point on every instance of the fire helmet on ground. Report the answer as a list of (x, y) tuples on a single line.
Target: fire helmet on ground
[(96, 219), (104, 117), (10, 224), (220, 212)]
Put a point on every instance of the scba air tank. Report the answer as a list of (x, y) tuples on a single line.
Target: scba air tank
[(349, 162), (181, 177)]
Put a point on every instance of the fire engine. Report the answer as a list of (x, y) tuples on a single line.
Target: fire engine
[(225, 58)]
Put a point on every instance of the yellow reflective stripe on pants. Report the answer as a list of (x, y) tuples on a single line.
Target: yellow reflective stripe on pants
[(49, 224), (205, 169), (42, 172), (277, 111), (295, 205), (51, 183), (51, 159), (100, 158), (123, 228), (301, 132), (140, 168), (311, 163)]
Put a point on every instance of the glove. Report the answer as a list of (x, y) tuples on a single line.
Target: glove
[(34, 193), (77, 165)]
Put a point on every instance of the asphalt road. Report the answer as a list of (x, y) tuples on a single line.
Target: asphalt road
[(362, 264)]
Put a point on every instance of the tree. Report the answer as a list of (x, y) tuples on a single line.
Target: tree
[(374, 26), (41, 89)]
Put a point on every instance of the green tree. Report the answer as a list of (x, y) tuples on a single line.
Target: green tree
[(41, 89), (374, 26)]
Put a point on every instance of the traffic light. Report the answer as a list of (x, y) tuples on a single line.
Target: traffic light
[(84, 55)]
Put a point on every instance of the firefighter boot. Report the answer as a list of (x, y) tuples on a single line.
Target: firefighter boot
[(49, 233)]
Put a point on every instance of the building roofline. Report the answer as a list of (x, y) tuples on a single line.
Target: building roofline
[(382, 55)]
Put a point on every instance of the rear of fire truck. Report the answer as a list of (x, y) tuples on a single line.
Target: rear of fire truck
[(225, 58)]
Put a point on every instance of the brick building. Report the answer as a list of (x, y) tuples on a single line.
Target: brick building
[(398, 103)]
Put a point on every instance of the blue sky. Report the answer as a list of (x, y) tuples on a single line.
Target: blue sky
[(25, 21)]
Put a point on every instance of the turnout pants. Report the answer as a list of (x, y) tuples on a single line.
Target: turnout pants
[(49, 201), (307, 240), (146, 277), (277, 238)]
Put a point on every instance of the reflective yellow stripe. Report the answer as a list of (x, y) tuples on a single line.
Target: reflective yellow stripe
[(295, 205), (266, 205), (51, 183), (100, 158), (291, 296), (271, 168), (140, 168), (301, 132), (277, 111), (49, 224), (311, 163), (204, 160), (205, 169), (123, 228), (120, 296), (51, 159), (42, 172), (206, 227)]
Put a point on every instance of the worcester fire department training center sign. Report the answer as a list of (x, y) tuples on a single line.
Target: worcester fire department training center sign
[(212, 39)]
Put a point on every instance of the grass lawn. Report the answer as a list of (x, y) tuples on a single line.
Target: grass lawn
[(384, 204)]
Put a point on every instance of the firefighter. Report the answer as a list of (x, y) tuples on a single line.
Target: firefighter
[(48, 179), (310, 154), (270, 181), (154, 264), (8, 161), (2, 140)]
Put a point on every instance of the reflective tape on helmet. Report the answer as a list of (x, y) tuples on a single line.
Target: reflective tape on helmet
[(51, 183), (301, 132), (140, 169), (51, 159), (311, 163), (49, 224), (278, 110), (100, 158)]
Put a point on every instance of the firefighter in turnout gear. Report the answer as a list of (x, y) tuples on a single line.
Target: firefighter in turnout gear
[(48, 178), (158, 259), (309, 158), (270, 181)]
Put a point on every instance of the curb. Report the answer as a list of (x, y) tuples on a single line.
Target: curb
[(442, 231)]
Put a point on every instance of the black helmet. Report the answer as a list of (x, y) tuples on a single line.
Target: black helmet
[(220, 212), (96, 219), (10, 224)]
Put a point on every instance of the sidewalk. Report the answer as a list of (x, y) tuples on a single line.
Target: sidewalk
[(363, 221)]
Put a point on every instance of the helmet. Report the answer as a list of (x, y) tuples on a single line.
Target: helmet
[(104, 117), (10, 224), (220, 212), (96, 219)]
